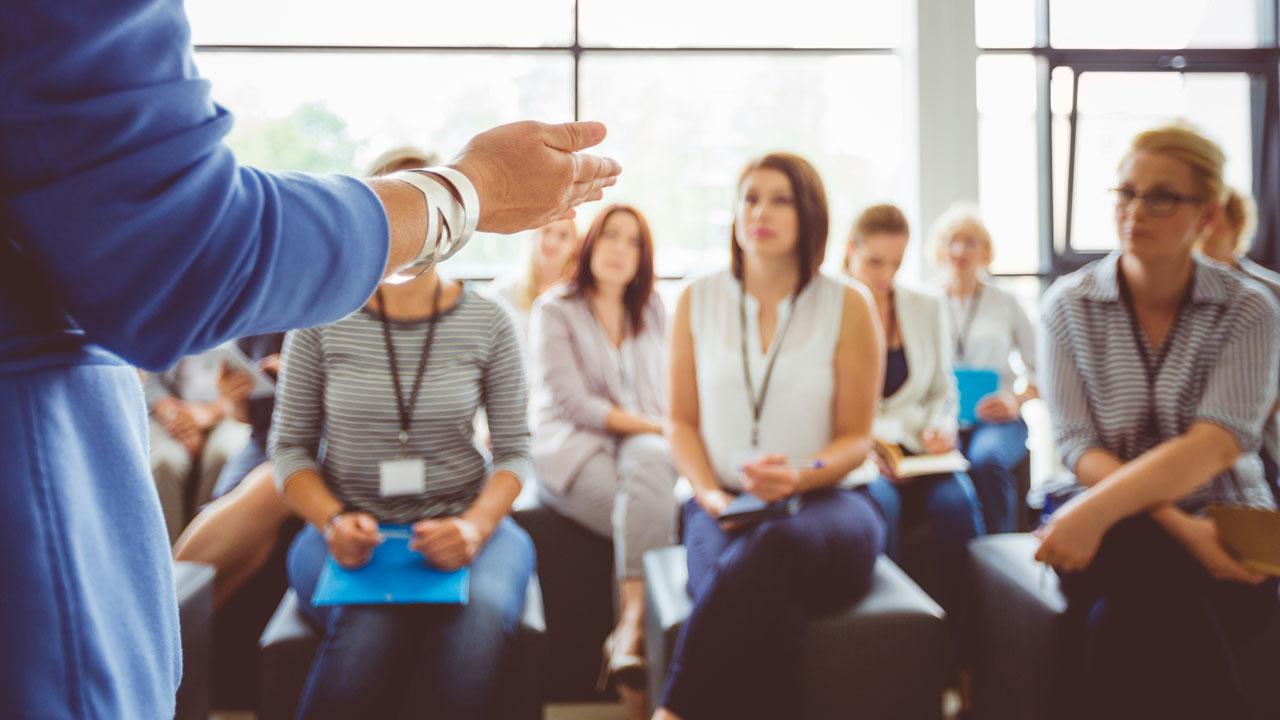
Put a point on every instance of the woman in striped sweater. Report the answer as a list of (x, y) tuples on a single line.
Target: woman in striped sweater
[(1160, 371), (390, 394)]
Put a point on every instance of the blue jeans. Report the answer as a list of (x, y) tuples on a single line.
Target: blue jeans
[(949, 508), (754, 590), (420, 661), (238, 467), (994, 450)]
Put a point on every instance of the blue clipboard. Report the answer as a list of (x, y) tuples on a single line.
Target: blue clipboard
[(974, 384), (395, 575)]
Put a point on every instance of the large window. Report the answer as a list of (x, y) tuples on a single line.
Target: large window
[(690, 92), (1063, 85)]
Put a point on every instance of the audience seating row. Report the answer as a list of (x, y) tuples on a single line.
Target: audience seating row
[(884, 657)]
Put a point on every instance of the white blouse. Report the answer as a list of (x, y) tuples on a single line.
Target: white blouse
[(999, 327), (796, 417)]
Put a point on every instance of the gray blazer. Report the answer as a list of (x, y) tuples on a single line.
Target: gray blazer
[(576, 382)]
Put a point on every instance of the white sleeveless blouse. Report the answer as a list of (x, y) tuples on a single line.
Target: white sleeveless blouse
[(796, 419)]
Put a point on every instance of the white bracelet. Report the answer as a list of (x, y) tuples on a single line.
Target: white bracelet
[(450, 224), (470, 200)]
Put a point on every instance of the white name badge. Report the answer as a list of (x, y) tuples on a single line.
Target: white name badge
[(404, 476)]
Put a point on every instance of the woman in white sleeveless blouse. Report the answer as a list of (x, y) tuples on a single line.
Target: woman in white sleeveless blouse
[(775, 372)]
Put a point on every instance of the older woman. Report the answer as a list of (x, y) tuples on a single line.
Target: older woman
[(1160, 370), (988, 326), (599, 356)]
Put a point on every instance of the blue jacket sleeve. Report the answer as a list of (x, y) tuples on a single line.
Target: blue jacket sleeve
[(115, 180)]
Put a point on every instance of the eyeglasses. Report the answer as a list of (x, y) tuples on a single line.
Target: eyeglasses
[(1160, 203)]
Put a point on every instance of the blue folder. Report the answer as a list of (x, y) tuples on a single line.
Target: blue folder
[(974, 384), (395, 575)]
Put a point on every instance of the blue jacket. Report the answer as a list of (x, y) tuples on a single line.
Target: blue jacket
[(128, 235)]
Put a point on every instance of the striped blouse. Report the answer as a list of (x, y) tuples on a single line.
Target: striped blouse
[(1221, 368), (336, 408)]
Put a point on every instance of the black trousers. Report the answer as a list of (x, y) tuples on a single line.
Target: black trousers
[(754, 590), (1151, 634)]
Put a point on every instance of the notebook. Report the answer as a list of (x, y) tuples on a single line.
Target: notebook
[(909, 466), (974, 384), (234, 357), (747, 508), (395, 575), (1252, 535)]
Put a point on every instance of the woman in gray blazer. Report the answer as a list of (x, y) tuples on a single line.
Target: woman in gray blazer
[(599, 396)]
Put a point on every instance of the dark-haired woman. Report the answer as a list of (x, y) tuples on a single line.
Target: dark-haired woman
[(775, 373), (599, 358)]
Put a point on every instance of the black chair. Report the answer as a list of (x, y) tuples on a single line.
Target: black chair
[(194, 585), (239, 623), (1021, 613), (883, 658), (575, 570), (289, 643)]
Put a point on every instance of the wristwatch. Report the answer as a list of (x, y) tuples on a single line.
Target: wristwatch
[(331, 523), (450, 223)]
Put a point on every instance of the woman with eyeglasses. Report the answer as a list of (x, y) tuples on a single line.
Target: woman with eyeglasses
[(988, 327), (1160, 369)]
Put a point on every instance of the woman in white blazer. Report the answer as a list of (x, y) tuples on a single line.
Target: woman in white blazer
[(918, 412)]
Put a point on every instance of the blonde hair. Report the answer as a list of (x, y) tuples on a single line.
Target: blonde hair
[(885, 218), (960, 216), (400, 158), (1239, 212), (1183, 142), (527, 289)]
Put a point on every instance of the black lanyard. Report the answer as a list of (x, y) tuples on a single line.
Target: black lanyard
[(406, 411), (1152, 369), (757, 402), (963, 331)]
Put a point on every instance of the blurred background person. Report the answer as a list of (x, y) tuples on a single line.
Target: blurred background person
[(549, 262), (194, 429), (989, 327), (598, 406), (1160, 370), (775, 371)]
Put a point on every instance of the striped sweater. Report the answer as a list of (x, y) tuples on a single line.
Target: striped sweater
[(336, 408), (1221, 368)]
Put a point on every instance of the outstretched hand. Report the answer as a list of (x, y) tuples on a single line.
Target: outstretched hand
[(528, 174)]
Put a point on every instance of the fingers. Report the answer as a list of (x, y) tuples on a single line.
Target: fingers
[(771, 459), (363, 530), (1229, 569), (759, 476), (575, 136), (583, 192), (592, 168), (429, 531)]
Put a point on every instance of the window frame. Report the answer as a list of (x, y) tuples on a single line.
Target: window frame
[(576, 49), (1261, 63)]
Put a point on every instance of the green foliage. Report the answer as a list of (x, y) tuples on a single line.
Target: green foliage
[(310, 139)]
